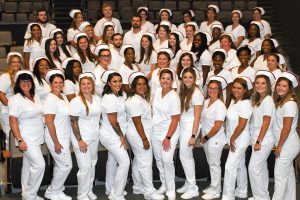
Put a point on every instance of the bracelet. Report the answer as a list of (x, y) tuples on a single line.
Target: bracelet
[(168, 137), (206, 138)]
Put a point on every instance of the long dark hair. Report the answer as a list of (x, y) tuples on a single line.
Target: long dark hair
[(89, 53), (244, 85), (134, 84), (167, 29), (273, 49), (73, 24), (36, 71), (257, 30), (69, 70), (107, 89), (185, 93), (30, 40), (24, 77), (179, 66), (56, 53), (177, 47), (63, 46), (198, 51), (149, 53), (189, 13)]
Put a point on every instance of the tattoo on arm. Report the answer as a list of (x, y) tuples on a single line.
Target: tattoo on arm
[(75, 127), (117, 129)]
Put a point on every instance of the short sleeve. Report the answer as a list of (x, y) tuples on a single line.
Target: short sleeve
[(205, 58), (245, 109), (69, 87), (174, 104), (242, 32), (26, 47), (109, 103), (290, 109), (77, 107), (50, 105), (197, 98), (228, 77), (134, 107), (268, 106), (5, 83), (14, 106), (220, 112), (124, 75)]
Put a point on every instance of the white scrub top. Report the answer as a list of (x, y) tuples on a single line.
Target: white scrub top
[(35, 51), (225, 74), (135, 40), (248, 72), (60, 108), (88, 66), (181, 28), (205, 59), (42, 90), (88, 124), (146, 67), (46, 29), (255, 44), (71, 88), (30, 118), (62, 54), (214, 46), (266, 30), (113, 104), (99, 84), (236, 32), (157, 45), (137, 106), (185, 46), (289, 109), (116, 59), (148, 27), (260, 63), (240, 109), (205, 27), (163, 109), (99, 26), (215, 112), (70, 36), (6, 88), (125, 72), (266, 108), (174, 61), (232, 60)]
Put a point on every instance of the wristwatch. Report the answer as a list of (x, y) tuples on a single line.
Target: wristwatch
[(20, 140), (258, 142), (168, 137), (206, 138), (193, 136)]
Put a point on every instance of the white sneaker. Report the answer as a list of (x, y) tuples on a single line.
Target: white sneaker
[(92, 196), (210, 196), (190, 194), (206, 190), (161, 190), (183, 189), (39, 198), (154, 196), (240, 195), (171, 195), (137, 190), (112, 196), (63, 196), (251, 198), (108, 193)]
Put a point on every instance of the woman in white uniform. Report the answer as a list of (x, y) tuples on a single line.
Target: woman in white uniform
[(108, 31), (148, 56), (166, 116), (267, 47), (26, 121), (84, 53), (58, 134), (174, 44), (85, 111), (139, 135), (165, 15), (286, 138), (52, 52), (244, 56), (257, 13), (40, 67), (190, 29), (88, 29), (253, 40), (187, 16), (262, 139), (163, 31), (203, 60), (211, 18), (191, 99), (72, 69), (58, 35), (32, 48), (14, 61), (146, 25), (213, 135), (273, 66), (78, 18), (226, 43), (236, 29), (238, 137), (112, 135)]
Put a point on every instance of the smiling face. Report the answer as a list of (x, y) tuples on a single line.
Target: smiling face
[(115, 84), (107, 11), (104, 58), (83, 43), (197, 41), (163, 61), (129, 55), (78, 18), (272, 62), (57, 85), (244, 57), (238, 90), (89, 30), (52, 46), (218, 62), (189, 31), (143, 15), (188, 79), (186, 61), (172, 40), (213, 90), (86, 86), (25, 85), (266, 47), (187, 18), (252, 31), (15, 63), (260, 85), (164, 16), (36, 31), (141, 87), (282, 88), (43, 67), (211, 15), (166, 81), (216, 33), (77, 69), (235, 17), (225, 43), (256, 15), (145, 42), (59, 39), (162, 33)]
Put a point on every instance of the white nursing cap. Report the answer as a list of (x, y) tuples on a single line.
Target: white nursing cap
[(269, 74), (51, 35), (292, 77), (180, 35), (87, 74), (66, 61), (259, 24), (124, 47), (166, 9), (13, 53), (83, 25), (23, 72), (142, 7), (133, 75), (192, 24), (239, 12), (105, 74), (248, 81), (28, 30), (220, 50), (221, 79), (168, 51), (79, 35), (100, 47), (151, 35), (215, 7), (51, 72), (39, 58), (73, 12), (262, 11)]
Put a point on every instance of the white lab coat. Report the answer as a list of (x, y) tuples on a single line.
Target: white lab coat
[(135, 40)]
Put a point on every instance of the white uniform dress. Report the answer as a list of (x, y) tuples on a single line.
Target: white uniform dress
[(116, 59), (277, 73), (137, 106), (258, 168), (185, 151), (248, 72), (260, 63), (185, 46), (99, 84), (46, 29), (148, 27), (88, 66), (62, 54), (163, 109), (31, 126), (117, 164), (266, 30), (60, 108), (41, 90), (235, 167), (181, 28), (214, 46), (125, 72), (205, 27), (135, 40), (99, 26), (146, 67), (70, 36), (232, 60), (6, 88), (205, 59), (157, 45), (35, 51), (174, 61), (238, 31), (214, 146), (255, 44), (89, 131), (285, 182), (71, 88)]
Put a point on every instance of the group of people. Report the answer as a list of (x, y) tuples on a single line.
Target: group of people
[(152, 89)]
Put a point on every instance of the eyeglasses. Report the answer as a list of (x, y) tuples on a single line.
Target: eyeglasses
[(105, 56), (25, 81)]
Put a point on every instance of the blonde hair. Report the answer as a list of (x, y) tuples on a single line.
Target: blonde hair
[(82, 96), (256, 98), (10, 71), (290, 96)]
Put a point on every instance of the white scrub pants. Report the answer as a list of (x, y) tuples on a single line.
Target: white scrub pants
[(86, 163), (235, 171), (6, 128), (258, 171), (117, 164), (32, 171), (213, 154), (285, 181), (62, 167), (165, 163), (187, 159), (141, 165)]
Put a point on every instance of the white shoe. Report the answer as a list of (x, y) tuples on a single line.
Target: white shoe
[(39, 198), (183, 189), (206, 190), (210, 196), (112, 196), (64, 196), (161, 190), (251, 198), (171, 195), (240, 195), (154, 196), (108, 193), (137, 190), (92, 196), (190, 194)]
